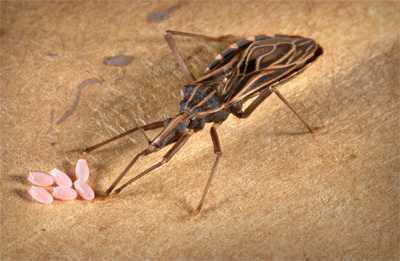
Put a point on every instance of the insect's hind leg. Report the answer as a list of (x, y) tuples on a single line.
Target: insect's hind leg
[(150, 126), (260, 98), (280, 96), (238, 112)]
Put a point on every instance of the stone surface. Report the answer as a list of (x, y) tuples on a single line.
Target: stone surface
[(280, 194)]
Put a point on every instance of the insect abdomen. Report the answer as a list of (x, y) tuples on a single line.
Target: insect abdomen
[(232, 50)]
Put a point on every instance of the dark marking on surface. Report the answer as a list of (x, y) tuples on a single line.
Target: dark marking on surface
[(160, 15), (52, 54), (75, 103), (118, 60), (50, 130), (352, 156), (23, 194), (17, 178), (102, 228)]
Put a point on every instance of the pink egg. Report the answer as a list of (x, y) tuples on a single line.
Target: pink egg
[(40, 179), (64, 193), (62, 179), (82, 170), (84, 190), (41, 195)]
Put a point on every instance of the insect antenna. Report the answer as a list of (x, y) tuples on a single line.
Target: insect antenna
[(150, 126)]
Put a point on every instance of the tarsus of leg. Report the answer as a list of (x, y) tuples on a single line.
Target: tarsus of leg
[(218, 153), (280, 96), (127, 168), (176, 147)]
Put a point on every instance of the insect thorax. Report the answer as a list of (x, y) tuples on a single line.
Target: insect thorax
[(199, 98)]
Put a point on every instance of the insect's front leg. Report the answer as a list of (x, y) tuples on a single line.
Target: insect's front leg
[(167, 157), (125, 171), (218, 153)]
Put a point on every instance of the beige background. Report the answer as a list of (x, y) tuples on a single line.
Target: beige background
[(280, 194)]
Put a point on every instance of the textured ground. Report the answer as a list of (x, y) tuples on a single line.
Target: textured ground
[(280, 194)]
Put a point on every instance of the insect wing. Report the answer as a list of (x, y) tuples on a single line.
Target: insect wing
[(268, 62)]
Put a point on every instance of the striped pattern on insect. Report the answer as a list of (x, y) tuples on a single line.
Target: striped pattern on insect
[(249, 68)]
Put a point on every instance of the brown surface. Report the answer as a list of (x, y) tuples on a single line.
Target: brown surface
[(280, 194)]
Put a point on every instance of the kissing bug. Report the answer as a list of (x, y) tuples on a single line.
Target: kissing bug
[(249, 68)]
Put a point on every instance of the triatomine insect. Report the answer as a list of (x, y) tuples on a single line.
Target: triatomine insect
[(249, 69)]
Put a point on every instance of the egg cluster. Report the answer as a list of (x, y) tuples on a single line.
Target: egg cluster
[(58, 185)]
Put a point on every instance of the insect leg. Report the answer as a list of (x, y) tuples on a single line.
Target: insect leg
[(222, 38), (218, 153), (291, 108), (253, 105), (176, 147), (260, 98), (145, 135), (123, 173), (150, 126), (172, 45)]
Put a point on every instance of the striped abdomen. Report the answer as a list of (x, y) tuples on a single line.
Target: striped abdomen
[(268, 62)]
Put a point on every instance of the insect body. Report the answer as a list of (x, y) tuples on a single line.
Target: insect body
[(249, 68)]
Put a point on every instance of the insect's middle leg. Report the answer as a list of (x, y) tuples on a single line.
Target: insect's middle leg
[(218, 153)]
